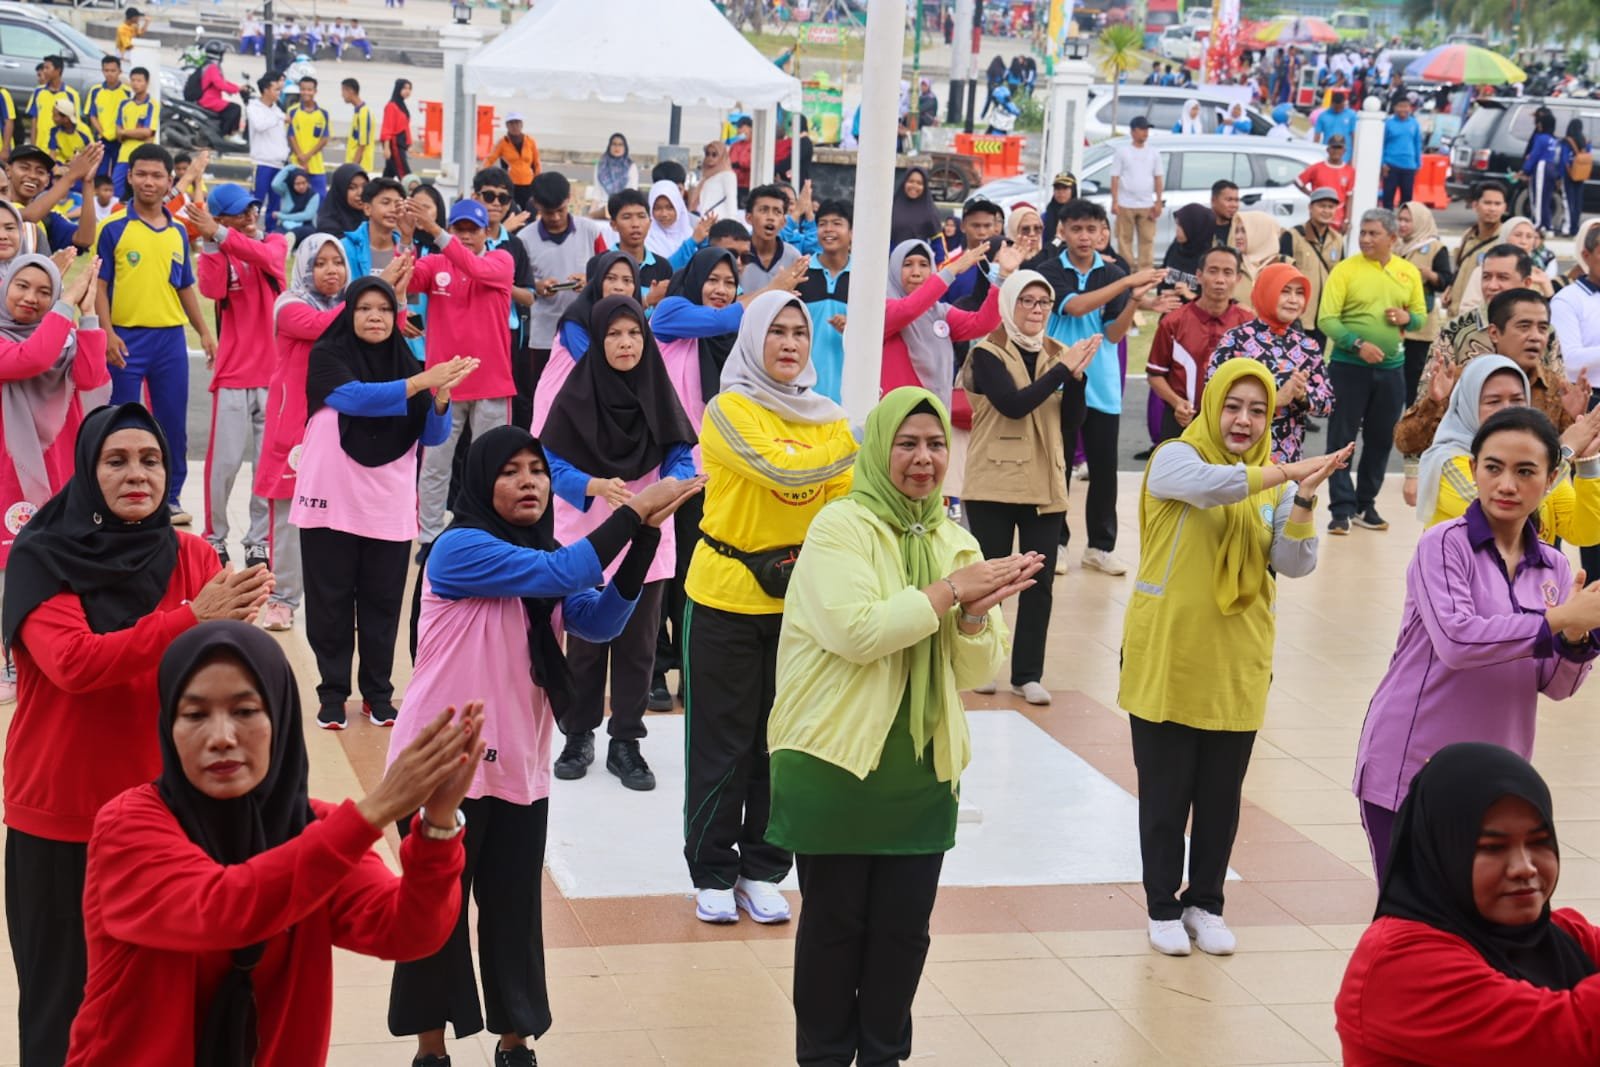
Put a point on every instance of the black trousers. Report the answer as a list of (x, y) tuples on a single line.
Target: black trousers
[(526, 366), (858, 956), (730, 669), (44, 917), (1397, 187), (1186, 773), (355, 589), (998, 527), (1099, 432), (505, 856), (1169, 424), (669, 642), (632, 656), (1367, 403), (1416, 363)]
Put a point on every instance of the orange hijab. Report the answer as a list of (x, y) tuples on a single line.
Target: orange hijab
[(1270, 284)]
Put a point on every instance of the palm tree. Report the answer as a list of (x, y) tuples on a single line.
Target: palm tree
[(1120, 45)]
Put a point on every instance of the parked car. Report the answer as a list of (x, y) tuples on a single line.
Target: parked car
[(1180, 43), (27, 35), (1163, 105), (1495, 136), (1198, 17), (1265, 177)]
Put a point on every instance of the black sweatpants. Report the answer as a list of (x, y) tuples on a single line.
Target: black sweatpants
[(1416, 363), (998, 527), (858, 955), (355, 588), (526, 366), (669, 643), (631, 656), (1185, 772), (1099, 432), (505, 856), (730, 669), (1367, 403), (44, 916)]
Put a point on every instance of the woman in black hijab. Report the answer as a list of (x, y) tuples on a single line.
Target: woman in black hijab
[(1465, 962), (368, 408), (490, 593), (612, 273), (395, 133), (913, 216), (340, 212), (98, 584), (616, 427), (215, 895)]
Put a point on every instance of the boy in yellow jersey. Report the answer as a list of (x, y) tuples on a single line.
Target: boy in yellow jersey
[(8, 123), (362, 146), (308, 135), (100, 106), (137, 122), (147, 292), (133, 27)]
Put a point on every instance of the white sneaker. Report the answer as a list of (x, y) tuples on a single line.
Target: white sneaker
[(1032, 692), (717, 906), (1061, 561), (1168, 937), (987, 689), (763, 900), (1081, 474), (1098, 559), (1208, 931)]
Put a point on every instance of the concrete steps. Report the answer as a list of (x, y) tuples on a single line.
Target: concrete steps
[(391, 43)]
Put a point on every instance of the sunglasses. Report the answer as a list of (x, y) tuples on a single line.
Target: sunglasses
[(495, 198)]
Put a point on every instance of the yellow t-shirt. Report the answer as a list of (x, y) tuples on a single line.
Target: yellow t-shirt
[(125, 36), (64, 143), (768, 479), (1570, 511), (145, 268), (102, 103), (131, 114), (306, 128), (362, 148)]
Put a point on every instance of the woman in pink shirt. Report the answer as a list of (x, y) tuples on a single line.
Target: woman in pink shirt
[(497, 592), (918, 329), (611, 273)]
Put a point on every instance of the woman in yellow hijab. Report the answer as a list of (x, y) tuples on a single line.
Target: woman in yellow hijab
[(1217, 522)]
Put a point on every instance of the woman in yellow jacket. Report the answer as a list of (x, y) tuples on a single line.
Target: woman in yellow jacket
[(891, 613), (775, 451), (1217, 524), (1445, 486)]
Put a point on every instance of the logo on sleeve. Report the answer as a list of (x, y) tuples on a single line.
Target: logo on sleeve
[(17, 516)]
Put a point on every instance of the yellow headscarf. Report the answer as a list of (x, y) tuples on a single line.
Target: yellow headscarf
[(1241, 569)]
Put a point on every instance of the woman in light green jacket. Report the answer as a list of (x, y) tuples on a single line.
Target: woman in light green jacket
[(892, 610)]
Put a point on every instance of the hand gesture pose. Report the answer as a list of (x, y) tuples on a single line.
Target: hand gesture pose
[(967, 260), (982, 585), (1582, 434), (1010, 258), (1081, 352), (1575, 396), (788, 280), (398, 272), (702, 229), (657, 503), (1443, 383), (441, 378), (1311, 473), (432, 773), (1580, 613), (231, 594), (613, 491), (80, 291), (1293, 389)]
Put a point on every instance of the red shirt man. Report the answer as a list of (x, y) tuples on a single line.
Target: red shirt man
[(1335, 174)]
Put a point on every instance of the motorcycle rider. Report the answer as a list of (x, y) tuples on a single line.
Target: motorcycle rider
[(212, 87)]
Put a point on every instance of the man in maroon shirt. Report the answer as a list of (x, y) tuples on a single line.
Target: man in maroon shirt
[(1181, 350)]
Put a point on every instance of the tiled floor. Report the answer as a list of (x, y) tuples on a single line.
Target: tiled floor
[(1047, 974)]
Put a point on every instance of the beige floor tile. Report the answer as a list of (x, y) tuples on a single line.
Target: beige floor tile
[(573, 962), (621, 1048), (948, 948), (721, 1045), (1348, 841), (995, 987), (1151, 980), (589, 1003), (354, 969), (370, 1054), (1315, 1023), (360, 1014), (773, 953), (950, 1041), (677, 959), (1307, 807), (1281, 774), (1286, 938), (1342, 936), (1287, 977), (1049, 1039), (1072, 944), (1207, 1035), (704, 998)]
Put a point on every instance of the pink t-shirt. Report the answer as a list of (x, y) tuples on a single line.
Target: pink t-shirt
[(334, 492), (682, 358), (476, 648)]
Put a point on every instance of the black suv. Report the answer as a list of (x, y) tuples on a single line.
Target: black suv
[(1495, 136)]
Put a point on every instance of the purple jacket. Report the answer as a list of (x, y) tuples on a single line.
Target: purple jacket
[(1474, 653)]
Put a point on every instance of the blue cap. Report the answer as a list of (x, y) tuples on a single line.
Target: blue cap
[(470, 211), (229, 200)]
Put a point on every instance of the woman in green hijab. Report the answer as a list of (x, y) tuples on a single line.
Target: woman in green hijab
[(891, 612)]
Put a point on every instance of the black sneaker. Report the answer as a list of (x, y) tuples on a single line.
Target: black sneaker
[(576, 755), (222, 555), (430, 1060), (422, 552), (660, 698), (380, 714), (515, 1057), (331, 717), (1370, 520), (1339, 526), (255, 557), (625, 761)]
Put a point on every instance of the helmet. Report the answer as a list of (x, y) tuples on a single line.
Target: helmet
[(215, 49), (1280, 114)]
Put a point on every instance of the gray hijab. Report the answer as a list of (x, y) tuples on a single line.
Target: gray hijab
[(27, 238), (302, 288), (1458, 427), (745, 372), (35, 409), (927, 337)]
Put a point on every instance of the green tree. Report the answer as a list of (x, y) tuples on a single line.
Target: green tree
[(1120, 45)]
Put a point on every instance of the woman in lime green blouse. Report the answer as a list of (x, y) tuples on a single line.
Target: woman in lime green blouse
[(892, 610)]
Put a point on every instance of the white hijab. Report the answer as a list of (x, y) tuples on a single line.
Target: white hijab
[(1190, 121), (745, 372), (664, 242), (1012, 288), (302, 284), (927, 337)]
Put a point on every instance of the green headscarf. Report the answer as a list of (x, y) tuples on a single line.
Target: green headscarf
[(914, 521)]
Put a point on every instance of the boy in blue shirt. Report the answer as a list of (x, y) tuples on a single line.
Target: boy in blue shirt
[(1402, 155)]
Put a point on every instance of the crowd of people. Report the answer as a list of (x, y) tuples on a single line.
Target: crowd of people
[(608, 436)]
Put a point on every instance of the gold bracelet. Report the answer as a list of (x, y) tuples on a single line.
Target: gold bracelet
[(955, 594)]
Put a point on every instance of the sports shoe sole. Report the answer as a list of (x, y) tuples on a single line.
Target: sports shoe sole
[(1338, 531), (330, 725), (659, 703), (374, 720), (1379, 526), (636, 784), (566, 775), (742, 902), (718, 919)]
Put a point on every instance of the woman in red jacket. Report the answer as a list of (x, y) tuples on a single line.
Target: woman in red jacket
[(396, 131), (1465, 963), (216, 893), (97, 586)]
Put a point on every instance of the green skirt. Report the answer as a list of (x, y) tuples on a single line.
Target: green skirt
[(899, 809)]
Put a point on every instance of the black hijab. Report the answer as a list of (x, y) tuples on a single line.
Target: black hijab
[(74, 544), (913, 218), (233, 831), (581, 310), (334, 214), (617, 424), (339, 356), (1431, 856), (474, 510), (396, 99), (690, 283)]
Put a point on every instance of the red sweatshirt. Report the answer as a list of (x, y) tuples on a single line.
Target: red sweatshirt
[(299, 326), (469, 314), (162, 917), (237, 267), (1414, 995), (896, 369), (85, 724)]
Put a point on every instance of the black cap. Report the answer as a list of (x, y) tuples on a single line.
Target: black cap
[(1138, 122), (32, 151)]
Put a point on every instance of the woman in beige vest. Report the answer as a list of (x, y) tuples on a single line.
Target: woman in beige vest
[(1421, 244), (1016, 488)]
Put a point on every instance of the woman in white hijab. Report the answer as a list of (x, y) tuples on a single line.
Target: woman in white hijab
[(1190, 121), (670, 221)]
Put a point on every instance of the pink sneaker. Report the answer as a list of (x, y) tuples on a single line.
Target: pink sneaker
[(277, 616)]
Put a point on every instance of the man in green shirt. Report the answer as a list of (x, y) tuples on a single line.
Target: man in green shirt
[(1368, 300)]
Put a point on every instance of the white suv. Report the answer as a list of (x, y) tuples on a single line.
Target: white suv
[(1163, 105)]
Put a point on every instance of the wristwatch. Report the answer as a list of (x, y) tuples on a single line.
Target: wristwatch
[(433, 833), (974, 620), (1302, 502)]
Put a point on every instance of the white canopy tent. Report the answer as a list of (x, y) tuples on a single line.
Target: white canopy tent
[(678, 51)]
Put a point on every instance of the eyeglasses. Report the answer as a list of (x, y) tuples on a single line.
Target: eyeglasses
[(495, 198), (1031, 231), (1032, 303)]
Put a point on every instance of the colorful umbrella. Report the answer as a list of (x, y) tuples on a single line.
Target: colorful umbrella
[(1291, 30), (1464, 64)]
